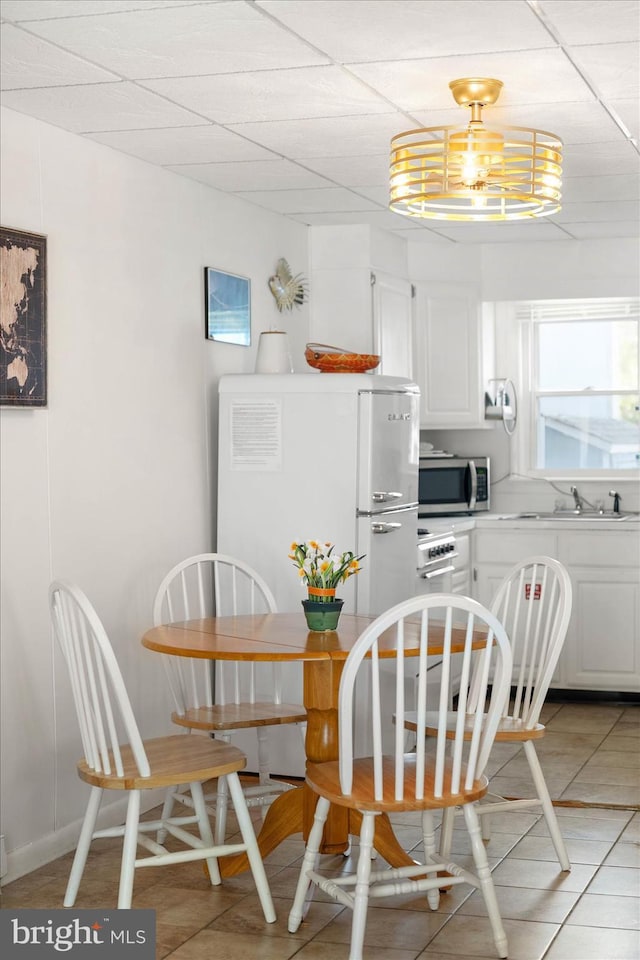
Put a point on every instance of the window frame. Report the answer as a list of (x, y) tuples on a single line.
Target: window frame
[(516, 349)]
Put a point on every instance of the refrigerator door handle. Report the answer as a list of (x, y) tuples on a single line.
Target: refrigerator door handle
[(383, 496), (384, 527)]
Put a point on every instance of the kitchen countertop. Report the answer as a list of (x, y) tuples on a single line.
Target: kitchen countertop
[(510, 521)]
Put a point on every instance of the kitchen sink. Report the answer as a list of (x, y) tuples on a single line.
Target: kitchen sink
[(570, 515)]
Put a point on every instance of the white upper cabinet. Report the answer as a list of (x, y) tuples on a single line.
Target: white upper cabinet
[(453, 355), (393, 328), (357, 304)]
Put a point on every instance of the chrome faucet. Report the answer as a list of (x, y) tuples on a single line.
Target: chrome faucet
[(577, 499)]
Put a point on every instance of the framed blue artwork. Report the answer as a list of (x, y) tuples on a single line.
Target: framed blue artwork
[(227, 307)]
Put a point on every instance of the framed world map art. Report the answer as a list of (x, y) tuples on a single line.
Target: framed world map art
[(23, 319)]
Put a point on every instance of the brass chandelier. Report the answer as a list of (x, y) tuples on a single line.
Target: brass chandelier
[(473, 173)]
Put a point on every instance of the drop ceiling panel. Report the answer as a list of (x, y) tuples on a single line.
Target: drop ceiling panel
[(629, 112), (202, 144), (272, 95), (604, 188), (110, 106), (500, 232), (585, 122), (598, 212), (614, 157), (547, 77), (308, 201), (605, 231), (382, 219), (292, 105), (45, 9), (579, 21), (31, 62), (168, 42), (255, 175), (326, 136), (406, 30), (613, 68), (353, 171)]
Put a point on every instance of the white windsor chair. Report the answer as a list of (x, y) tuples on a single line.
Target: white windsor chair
[(533, 603), (117, 758), (424, 780), (229, 699)]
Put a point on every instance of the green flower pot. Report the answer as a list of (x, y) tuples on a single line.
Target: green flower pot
[(322, 616)]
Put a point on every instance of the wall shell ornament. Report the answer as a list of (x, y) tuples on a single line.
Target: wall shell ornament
[(288, 290)]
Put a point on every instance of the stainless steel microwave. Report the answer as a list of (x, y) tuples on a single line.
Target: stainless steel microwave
[(453, 485)]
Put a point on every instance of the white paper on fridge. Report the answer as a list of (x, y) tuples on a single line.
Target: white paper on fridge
[(256, 434)]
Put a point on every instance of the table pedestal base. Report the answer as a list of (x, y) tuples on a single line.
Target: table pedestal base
[(292, 812)]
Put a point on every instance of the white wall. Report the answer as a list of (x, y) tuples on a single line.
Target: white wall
[(114, 481)]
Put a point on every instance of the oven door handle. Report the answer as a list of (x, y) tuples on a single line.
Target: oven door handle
[(436, 573)]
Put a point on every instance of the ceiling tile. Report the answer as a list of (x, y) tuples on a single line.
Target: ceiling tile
[(28, 61), (20, 10), (573, 123), (326, 136), (611, 230), (173, 145), (540, 76), (383, 219), (613, 68), (598, 212), (112, 106), (181, 41), (308, 201), (579, 21), (619, 158), (353, 171), (628, 111), (603, 188), (500, 232), (253, 175), (423, 236), (410, 29), (272, 95)]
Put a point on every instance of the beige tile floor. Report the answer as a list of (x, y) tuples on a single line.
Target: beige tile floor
[(591, 757)]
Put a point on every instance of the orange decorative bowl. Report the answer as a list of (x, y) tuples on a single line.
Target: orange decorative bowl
[(329, 359)]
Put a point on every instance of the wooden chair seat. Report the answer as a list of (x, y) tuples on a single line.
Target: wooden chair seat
[(173, 760), (235, 716), (509, 728), (324, 779)]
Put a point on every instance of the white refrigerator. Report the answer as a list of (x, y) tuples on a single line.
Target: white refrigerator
[(330, 457)]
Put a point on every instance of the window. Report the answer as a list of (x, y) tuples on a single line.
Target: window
[(581, 384)]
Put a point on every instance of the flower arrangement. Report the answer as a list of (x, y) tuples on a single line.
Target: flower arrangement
[(322, 569)]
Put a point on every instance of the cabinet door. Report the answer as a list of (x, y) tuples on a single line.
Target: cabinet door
[(449, 361), (393, 324), (603, 642)]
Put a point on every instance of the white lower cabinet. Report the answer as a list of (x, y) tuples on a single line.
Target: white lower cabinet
[(602, 648)]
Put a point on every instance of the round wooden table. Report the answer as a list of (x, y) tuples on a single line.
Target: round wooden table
[(286, 637)]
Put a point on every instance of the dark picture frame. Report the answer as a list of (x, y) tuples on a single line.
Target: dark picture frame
[(227, 307), (23, 319)]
